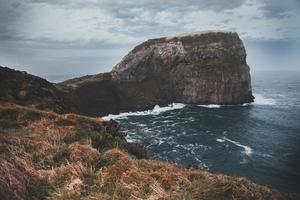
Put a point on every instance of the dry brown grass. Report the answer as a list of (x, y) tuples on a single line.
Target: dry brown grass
[(148, 179), (44, 155), (84, 153), (35, 149)]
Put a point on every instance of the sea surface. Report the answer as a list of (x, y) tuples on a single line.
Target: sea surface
[(260, 141)]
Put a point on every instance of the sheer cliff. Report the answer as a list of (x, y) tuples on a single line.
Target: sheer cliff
[(197, 68)]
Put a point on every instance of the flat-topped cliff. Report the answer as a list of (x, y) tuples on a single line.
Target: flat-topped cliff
[(204, 67), (197, 68)]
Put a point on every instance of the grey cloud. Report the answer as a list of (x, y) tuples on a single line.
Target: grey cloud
[(280, 9), (10, 12), (119, 5), (55, 59), (132, 12)]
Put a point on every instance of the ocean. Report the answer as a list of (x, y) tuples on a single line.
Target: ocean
[(260, 141)]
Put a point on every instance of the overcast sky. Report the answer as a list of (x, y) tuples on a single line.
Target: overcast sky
[(53, 37)]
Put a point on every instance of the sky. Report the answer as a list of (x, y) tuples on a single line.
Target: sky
[(78, 37)]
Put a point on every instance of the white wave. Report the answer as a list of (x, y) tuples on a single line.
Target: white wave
[(247, 150), (219, 106), (128, 139), (262, 100), (141, 125), (155, 111), (210, 106), (246, 104), (160, 141), (201, 164), (220, 140)]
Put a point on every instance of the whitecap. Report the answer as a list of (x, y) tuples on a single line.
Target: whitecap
[(155, 111), (247, 150), (130, 140), (227, 105), (201, 164), (141, 125), (220, 140), (210, 106), (262, 100), (246, 104)]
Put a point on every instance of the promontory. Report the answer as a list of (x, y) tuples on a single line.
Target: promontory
[(196, 68)]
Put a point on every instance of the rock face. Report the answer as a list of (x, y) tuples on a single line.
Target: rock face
[(197, 68), (94, 95)]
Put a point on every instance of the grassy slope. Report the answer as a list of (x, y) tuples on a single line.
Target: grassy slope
[(44, 155)]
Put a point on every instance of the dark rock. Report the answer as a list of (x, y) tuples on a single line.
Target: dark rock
[(136, 149), (26, 89), (198, 68), (113, 128), (94, 95)]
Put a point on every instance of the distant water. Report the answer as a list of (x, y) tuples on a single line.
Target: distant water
[(260, 141)]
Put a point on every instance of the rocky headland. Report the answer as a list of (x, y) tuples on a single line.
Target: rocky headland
[(197, 68)]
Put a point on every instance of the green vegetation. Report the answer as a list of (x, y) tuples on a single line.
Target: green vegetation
[(8, 119), (62, 154), (15, 118)]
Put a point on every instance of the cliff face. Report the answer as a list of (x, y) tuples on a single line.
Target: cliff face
[(94, 95), (197, 68)]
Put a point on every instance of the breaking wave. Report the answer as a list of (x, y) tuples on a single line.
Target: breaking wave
[(262, 100), (155, 111), (247, 150), (219, 106), (210, 106)]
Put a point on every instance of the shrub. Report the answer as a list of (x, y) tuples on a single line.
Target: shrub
[(8, 119), (100, 141), (62, 155), (38, 188), (136, 149)]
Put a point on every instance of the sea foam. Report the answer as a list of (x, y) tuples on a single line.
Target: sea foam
[(155, 111), (219, 106), (210, 106), (247, 150), (262, 100), (220, 140)]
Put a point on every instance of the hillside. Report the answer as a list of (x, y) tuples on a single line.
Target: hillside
[(22, 88), (44, 155)]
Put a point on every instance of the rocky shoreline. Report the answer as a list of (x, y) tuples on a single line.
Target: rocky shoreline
[(52, 148)]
